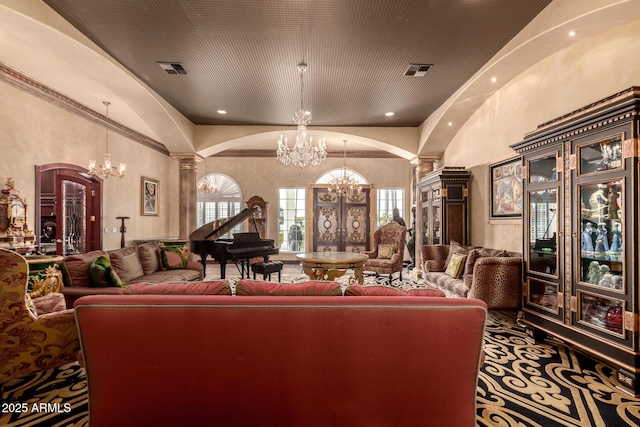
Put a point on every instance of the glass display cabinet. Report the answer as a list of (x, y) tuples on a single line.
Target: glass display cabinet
[(580, 229), (443, 195)]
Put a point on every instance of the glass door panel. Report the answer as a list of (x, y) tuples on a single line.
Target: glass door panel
[(601, 234), (600, 156), (74, 214), (543, 294), (435, 218), (543, 228), (601, 312), (543, 169)]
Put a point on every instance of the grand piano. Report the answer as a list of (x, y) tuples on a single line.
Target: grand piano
[(206, 241)]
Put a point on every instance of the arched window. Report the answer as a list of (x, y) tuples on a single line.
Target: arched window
[(223, 202), (336, 173)]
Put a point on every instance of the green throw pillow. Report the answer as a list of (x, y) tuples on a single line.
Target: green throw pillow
[(103, 275), (172, 258)]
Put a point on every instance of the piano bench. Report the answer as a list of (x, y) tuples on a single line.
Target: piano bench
[(266, 268)]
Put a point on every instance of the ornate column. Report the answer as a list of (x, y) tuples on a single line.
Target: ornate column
[(421, 167), (187, 192)]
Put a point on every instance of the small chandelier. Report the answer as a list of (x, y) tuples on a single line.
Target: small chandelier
[(205, 185), (303, 152), (105, 170), (346, 184)]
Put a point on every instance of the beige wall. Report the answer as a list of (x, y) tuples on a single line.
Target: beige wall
[(35, 132), (570, 79)]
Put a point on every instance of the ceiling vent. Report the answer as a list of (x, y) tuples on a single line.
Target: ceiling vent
[(172, 67), (417, 70)]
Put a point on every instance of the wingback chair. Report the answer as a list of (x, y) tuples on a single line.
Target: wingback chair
[(35, 334), (388, 250)]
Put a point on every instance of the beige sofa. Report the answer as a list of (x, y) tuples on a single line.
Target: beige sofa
[(134, 264), (491, 275)]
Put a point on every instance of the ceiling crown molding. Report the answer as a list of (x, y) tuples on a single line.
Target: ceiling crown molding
[(25, 83)]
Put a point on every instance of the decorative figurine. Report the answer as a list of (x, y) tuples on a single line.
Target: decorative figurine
[(613, 201), (587, 241), (616, 240), (598, 203), (593, 275), (602, 244), (617, 282)]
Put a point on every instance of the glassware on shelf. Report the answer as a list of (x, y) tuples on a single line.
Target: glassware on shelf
[(602, 312)]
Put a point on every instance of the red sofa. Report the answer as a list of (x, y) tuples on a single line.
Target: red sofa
[(202, 360)]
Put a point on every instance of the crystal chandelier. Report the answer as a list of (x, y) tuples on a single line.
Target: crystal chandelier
[(105, 170), (346, 184), (303, 152), (205, 184)]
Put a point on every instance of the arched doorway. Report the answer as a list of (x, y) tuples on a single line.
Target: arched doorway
[(68, 211)]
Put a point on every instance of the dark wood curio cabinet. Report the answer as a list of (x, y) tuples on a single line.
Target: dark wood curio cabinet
[(443, 206), (580, 225)]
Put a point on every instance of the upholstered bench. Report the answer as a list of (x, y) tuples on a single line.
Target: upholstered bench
[(266, 268)]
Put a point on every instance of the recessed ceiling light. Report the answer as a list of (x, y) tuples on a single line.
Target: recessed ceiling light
[(450, 124), (572, 33), (494, 79), (389, 114), (222, 112)]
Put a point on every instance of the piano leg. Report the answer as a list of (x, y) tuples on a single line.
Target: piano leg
[(223, 268), (203, 261)]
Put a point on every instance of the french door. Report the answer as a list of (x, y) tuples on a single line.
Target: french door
[(68, 210), (340, 223)]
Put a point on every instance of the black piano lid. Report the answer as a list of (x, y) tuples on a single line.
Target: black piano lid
[(207, 232)]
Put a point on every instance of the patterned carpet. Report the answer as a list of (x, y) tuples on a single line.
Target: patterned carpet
[(520, 385)]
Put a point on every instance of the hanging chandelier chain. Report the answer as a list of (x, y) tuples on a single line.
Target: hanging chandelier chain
[(105, 170), (302, 68)]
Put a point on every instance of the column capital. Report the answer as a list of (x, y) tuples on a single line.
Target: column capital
[(422, 165)]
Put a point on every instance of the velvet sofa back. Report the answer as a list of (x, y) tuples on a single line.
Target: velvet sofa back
[(281, 360)]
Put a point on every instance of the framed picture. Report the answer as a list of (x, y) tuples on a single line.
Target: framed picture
[(149, 197), (505, 179)]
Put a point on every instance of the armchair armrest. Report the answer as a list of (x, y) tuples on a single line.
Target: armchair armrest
[(371, 254), (497, 281), (434, 257)]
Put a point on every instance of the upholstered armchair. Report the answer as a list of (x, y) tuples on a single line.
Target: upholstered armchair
[(35, 334), (388, 250)]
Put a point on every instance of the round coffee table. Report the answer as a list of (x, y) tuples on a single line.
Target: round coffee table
[(330, 265)]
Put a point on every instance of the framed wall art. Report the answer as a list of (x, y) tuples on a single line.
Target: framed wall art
[(505, 180), (149, 197)]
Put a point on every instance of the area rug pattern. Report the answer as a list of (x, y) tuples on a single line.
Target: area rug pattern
[(520, 385)]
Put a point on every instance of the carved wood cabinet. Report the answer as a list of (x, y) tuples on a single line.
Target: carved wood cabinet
[(580, 232), (443, 206)]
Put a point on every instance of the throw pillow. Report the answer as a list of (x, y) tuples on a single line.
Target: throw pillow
[(148, 256), (456, 248), (359, 290), (456, 265), (172, 258), (386, 251), (310, 288), (132, 266), (103, 275)]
